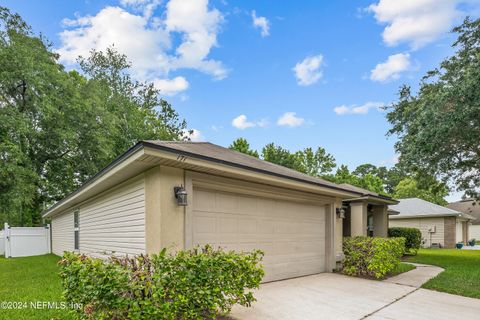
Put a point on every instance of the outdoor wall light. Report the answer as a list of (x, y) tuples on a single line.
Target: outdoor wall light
[(340, 213), (180, 195)]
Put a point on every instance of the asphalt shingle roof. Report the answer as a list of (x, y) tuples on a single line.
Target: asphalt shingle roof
[(413, 207), (228, 156), (468, 206)]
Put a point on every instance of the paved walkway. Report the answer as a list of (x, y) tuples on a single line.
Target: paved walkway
[(335, 296), (416, 277)]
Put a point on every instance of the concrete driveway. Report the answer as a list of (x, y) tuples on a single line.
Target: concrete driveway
[(335, 296)]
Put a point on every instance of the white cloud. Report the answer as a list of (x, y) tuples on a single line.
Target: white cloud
[(290, 119), (341, 110), (308, 71), (146, 38), (195, 135), (241, 122), (354, 109), (417, 22), (391, 69), (171, 87), (262, 23)]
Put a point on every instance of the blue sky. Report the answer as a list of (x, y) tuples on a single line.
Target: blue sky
[(297, 73)]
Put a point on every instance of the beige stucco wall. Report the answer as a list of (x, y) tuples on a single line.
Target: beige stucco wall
[(380, 221), (358, 218), (165, 220), (423, 224)]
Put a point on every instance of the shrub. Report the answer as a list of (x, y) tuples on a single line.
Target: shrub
[(202, 283), (372, 257), (413, 237)]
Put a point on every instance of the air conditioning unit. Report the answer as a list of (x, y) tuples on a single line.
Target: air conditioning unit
[(432, 229)]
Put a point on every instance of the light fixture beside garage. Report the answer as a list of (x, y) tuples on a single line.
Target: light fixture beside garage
[(340, 213), (181, 195)]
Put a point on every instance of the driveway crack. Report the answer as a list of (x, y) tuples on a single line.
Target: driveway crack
[(389, 304)]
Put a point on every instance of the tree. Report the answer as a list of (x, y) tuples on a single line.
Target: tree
[(242, 145), (367, 181), (280, 156), (439, 127), (316, 163), (58, 128), (410, 188)]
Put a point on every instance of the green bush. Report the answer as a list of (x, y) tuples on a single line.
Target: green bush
[(413, 237), (372, 257), (202, 283)]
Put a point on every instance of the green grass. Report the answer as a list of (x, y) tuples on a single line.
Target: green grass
[(401, 268), (462, 270), (31, 279)]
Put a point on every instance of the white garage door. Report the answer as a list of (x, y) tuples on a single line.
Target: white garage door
[(291, 234)]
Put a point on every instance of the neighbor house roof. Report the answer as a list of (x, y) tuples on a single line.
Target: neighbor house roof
[(183, 154), (416, 208), (468, 206)]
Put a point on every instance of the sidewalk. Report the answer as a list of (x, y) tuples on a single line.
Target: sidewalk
[(416, 277)]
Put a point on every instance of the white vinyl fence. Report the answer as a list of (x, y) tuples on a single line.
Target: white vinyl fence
[(2, 243), (26, 241)]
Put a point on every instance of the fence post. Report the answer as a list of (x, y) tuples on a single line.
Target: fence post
[(48, 234), (6, 235)]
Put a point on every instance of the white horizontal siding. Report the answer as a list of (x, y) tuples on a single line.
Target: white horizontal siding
[(115, 221), (62, 233), (474, 232), (424, 224)]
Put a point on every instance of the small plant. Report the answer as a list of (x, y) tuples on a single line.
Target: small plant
[(413, 238), (202, 283), (372, 257)]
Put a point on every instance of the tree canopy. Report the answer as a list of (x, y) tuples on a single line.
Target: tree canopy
[(58, 128), (242, 145), (439, 127)]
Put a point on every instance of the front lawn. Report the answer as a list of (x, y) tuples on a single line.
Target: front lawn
[(30, 280), (462, 270)]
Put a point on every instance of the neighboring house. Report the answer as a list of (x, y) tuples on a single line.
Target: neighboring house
[(439, 225), (471, 207), (234, 201)]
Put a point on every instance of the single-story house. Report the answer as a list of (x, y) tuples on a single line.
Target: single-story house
[(440, 226), (470, 207), (178, 195)]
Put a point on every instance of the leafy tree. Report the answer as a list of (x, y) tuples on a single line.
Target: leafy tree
[(316, 163), (58, 128), (367, 181), (439, 127), (280, 156), (242, 145), (411, 188)]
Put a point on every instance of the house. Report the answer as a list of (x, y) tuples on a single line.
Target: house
[(439, 225), (470, 207), (178, 195)]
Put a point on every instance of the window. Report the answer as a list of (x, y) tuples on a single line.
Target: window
[(76, 230)]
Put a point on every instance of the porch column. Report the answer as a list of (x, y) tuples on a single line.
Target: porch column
[(380, 221), (358, 218)]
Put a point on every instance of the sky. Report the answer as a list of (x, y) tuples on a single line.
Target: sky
[(297, 73)]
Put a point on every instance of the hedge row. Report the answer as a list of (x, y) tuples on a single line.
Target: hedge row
[(413, 237), (195, 284)]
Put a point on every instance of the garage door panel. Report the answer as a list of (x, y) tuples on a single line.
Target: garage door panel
[(292, 234)]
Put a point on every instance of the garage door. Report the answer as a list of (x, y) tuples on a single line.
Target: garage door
[(291, 234)]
